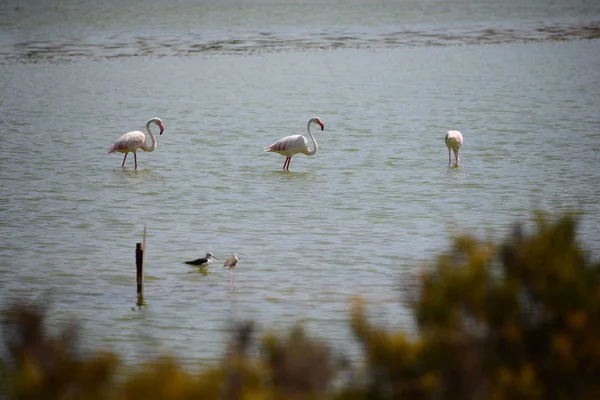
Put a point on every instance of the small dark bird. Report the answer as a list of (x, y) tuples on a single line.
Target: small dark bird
[(203, 261), (230, 264)]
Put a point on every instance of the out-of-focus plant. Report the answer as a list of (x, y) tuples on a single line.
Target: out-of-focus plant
[(298, 365), (517, 320), (39, 365)]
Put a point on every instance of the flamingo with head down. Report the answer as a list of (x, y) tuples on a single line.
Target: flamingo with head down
[(294, 144), (454, 141), (132, 141)]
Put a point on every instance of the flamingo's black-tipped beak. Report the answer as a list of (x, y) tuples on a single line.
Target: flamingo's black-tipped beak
[(162, 129), (317, 120)]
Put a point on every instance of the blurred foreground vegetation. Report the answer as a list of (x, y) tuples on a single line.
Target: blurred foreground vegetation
[(516, 320)]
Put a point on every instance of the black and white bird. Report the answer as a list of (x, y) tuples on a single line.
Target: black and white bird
[(230, 264), (203, 261)]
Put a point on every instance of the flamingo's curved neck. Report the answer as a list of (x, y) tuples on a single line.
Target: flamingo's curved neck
[(312, 152), (154, 143)]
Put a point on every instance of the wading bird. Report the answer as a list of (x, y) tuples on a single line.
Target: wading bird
[(454, 141), (203, 261), (230, 264), (294, 144), (132, 141)]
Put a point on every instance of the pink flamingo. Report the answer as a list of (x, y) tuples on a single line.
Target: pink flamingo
[(134, 140), (454, 141), (294, 144)]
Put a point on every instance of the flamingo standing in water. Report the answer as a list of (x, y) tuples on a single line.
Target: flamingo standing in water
[(134, 140), (294, 144), (454, 141)]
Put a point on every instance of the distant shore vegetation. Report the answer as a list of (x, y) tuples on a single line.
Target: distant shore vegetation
[(513, 320)]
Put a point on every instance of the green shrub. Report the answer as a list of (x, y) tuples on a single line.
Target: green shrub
[(518, 320)]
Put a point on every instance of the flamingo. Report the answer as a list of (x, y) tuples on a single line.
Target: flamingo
[(230, 264), (134, 140), (294, 144), (204, 261), (454, 141)]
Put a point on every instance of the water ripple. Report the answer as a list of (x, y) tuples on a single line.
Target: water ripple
[(120, 46)]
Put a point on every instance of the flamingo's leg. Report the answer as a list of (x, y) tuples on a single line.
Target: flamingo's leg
[(286, 163), (449, 158), (135, 159), (457, 157), (124, 158)]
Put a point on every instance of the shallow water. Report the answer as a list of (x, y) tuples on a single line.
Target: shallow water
[(359, 218)]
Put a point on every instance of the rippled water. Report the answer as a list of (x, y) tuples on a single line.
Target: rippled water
[(73, 29), (359, 218)]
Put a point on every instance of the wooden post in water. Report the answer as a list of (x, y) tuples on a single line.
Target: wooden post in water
[(139, 269), (139, 264)]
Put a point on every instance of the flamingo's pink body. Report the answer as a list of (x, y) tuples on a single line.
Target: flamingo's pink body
[(135, 140), (294, 144), (454, 141)]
